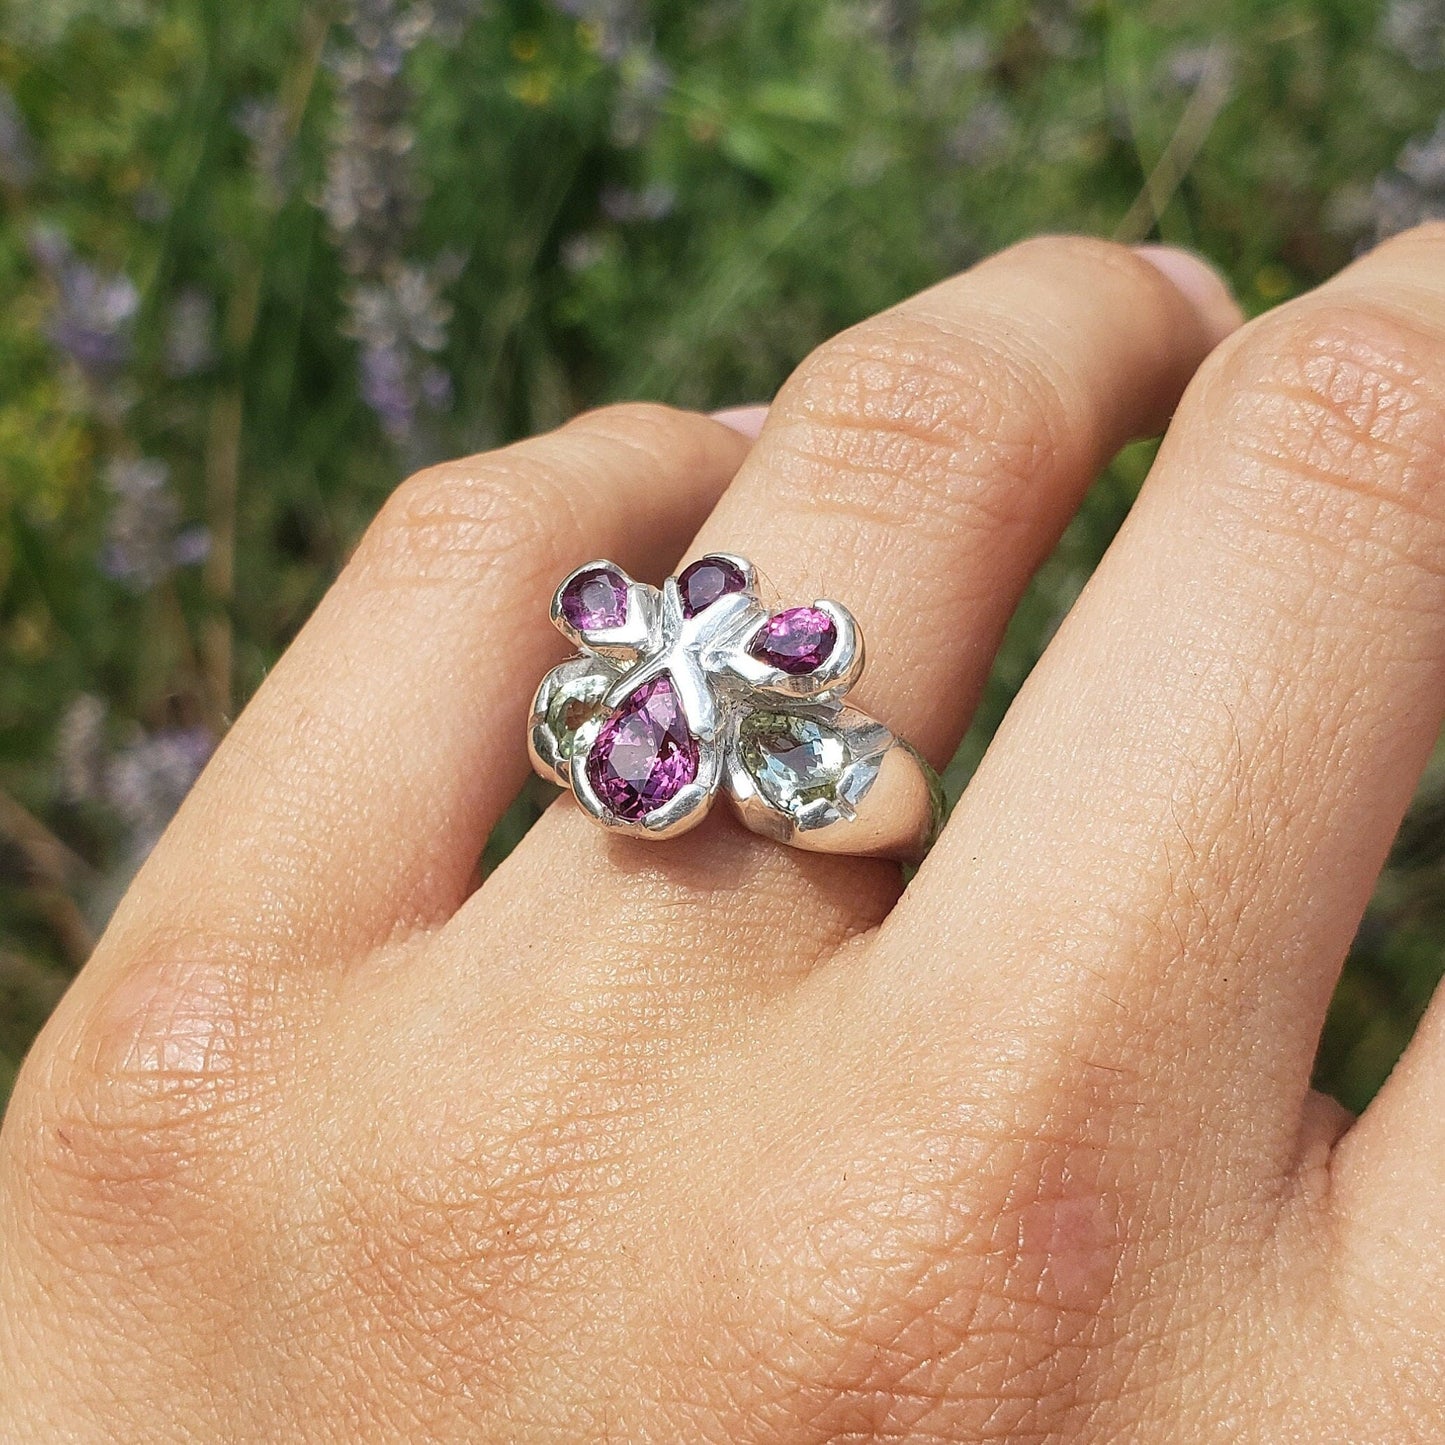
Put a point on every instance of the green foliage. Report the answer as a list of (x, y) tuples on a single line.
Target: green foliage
[(590, 200)]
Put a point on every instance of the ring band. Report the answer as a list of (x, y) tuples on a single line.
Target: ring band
[(701, 688)]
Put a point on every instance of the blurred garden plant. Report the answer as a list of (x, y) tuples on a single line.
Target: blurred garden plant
[(261, 259)]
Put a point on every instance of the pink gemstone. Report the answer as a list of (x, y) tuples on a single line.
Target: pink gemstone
[(644, 756), (798, 640), (595, 600), (707, 579)]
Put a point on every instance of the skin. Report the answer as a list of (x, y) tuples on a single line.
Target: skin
[(715, 1141)]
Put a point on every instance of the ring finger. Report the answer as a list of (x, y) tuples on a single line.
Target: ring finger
[(917, 468)]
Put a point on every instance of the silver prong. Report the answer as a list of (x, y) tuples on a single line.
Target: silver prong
[(549, 749)]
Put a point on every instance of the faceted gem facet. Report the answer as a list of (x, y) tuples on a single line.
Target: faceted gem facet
[(796, 641), (707, 579), (595, 600), (644, 756), (793, 760), (573, 706)]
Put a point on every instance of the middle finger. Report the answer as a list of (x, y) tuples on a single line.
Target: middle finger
[(917, 468)]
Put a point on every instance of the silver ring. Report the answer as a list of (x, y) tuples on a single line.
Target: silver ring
[(701, 688)]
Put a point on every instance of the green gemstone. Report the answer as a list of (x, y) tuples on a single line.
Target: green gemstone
[(573, 706), (793, 760)]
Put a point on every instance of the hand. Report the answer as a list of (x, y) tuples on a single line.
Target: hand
[(712, 1140)]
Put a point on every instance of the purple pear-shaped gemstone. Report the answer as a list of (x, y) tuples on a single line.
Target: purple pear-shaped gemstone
[(644, 756), (595, 600), (707, 579), (796, 641)]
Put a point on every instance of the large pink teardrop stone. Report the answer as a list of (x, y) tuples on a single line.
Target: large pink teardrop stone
[(644, 756)]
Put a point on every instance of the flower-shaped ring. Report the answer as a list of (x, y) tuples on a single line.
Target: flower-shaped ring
[(700, 687)]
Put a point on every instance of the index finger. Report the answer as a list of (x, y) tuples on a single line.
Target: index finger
[(355, 792)]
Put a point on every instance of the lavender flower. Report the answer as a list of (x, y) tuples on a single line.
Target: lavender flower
[(445, 20), (264, 124), (1187, 67), (1423, 161), (1414, 191), (42, 24), (408, 310), (143, 782), (624, 204), (1416, 28), (401, 323), (644, 83), (148, 779), (970, 51), (190, 340), (582, 251), (616, 24), (80, 752), (983, 136), (1057, 25), (618, 30), (144, 541), (372, 195), (17, 149), (93, 313), (371, 200)]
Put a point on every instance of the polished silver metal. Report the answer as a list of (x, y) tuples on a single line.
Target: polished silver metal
[(877, 796)]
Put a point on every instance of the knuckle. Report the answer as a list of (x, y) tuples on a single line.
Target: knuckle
[(1343, 391), (520, 508), (650, 443), (648, 426), (131, 1118), (959, 1273), (1081, 254), (447, 522), (1119, 279), (908, 420), (1429, 234)]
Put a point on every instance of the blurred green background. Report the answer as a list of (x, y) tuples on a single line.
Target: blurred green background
[(258, 259)]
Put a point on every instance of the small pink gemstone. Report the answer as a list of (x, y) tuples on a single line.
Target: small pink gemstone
[(644, 756), (796, 641), (707, 579), (595, 600)]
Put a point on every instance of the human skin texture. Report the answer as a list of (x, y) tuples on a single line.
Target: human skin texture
[(715, 1141)]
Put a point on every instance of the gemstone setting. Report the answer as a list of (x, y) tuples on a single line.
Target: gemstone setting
[(796, 641), (682, 693), (645, 755), (793, 760), (575, 706), (702, 582), (595, 600)]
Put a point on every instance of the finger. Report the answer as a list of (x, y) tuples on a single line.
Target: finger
[(745, 419), (352, 797), (1387, 1196), (917, 469), (1172, 839)]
